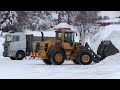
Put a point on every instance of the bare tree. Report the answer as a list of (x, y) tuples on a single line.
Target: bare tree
[(22, 19), (83, 20)]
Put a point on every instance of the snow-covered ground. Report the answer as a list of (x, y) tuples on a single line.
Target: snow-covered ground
[(28, 68)]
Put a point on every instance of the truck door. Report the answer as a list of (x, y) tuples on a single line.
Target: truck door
[(18, 43)]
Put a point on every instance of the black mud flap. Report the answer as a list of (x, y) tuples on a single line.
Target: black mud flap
[(106, 48)]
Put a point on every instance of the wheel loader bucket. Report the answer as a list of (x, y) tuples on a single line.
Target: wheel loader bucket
[(106, 48)]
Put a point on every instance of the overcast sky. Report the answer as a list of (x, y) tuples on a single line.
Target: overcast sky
[(111, 14)]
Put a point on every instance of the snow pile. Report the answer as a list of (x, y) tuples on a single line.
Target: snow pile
[(111, 60), (65, 25), (111, 32), (62, 25)]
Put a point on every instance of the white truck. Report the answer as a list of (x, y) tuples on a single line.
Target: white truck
[(18, 45)]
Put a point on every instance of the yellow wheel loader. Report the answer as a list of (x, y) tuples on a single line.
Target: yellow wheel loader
[(65, 48)]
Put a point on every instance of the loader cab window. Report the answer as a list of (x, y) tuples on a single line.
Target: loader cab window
[(59, 36), (69, 37), (8, 39)]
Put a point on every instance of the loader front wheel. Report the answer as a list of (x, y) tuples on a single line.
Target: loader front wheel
[(47, 61), (85, 57), (57, 58)]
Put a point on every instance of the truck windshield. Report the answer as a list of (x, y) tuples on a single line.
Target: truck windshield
[(8, 39)]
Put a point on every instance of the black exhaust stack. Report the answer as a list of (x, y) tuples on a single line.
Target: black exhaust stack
[(42, 39)]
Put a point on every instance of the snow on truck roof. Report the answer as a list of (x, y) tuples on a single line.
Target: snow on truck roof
[(15, 33)]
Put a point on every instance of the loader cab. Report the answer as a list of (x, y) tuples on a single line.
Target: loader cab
[(65, 37)]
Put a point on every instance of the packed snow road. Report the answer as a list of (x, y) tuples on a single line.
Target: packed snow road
[(36, 69)]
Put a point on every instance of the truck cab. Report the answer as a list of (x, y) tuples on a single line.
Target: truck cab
[(15, 45)]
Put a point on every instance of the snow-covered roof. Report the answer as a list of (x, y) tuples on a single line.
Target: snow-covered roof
[(110, 20), (62, 25), (65, 25), (110, 14)]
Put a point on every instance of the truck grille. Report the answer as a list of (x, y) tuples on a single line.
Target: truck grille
[(5, 48)]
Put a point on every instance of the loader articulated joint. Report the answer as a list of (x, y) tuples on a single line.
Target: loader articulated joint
[(96, 58)]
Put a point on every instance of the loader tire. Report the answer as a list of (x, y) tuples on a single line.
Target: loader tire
[(75, 61), (85, 57), (12, 58), (20, 55), (57, 58), (47, 61)]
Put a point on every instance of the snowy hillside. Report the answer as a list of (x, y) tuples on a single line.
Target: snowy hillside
[(36, 69)]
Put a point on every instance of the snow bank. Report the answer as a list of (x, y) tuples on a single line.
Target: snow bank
[(111, 32), (111, 60)]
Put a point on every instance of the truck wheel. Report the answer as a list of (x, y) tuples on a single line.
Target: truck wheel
[(57, 58), (20, 55), (47, 61), (75, 61), (12, 58), (85, 57)]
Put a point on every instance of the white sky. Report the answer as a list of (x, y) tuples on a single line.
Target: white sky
[(111, 14)]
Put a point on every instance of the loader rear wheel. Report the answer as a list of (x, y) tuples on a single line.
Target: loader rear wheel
[(75, 61), (85, 57), (47, 61), (12, 58), (57, 58), (20, 55)]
